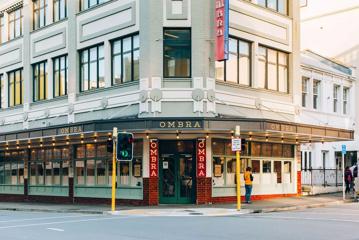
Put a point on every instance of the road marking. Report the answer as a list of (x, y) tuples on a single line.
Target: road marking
[(56, 229), (44, 218), (63, 222)]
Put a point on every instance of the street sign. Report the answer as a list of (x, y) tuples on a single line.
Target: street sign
[(344, 149), (236, 144), (124, 146)]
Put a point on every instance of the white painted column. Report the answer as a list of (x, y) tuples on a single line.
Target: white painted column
[(5, 91), (108, 68), (146, 158), (50, 79), (209, 157), (27, 54)]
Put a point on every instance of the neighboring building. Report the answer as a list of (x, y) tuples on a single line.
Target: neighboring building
[(71, 71), (328, 99)]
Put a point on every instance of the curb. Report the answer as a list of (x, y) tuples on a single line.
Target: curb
[(293, 208), (51, 210)]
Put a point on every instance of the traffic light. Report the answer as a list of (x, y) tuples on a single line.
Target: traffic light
[(125, 146)]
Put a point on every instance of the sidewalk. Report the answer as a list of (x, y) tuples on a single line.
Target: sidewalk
[(263, 206)]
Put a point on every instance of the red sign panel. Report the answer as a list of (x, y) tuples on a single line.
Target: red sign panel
[(201, 158), (153, 158), (222, 29)]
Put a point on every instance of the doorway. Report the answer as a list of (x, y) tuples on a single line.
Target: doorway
[(177, 169)]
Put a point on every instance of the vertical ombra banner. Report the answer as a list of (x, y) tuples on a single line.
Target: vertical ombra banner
[(201, 158), (222, 29), (153, 158)]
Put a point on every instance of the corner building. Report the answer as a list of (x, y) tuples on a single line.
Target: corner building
[(72, 70)]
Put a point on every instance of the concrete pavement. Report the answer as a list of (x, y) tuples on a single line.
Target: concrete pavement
[(263, 206)]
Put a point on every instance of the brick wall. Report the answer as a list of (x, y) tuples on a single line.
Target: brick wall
[(150, 191), (204, 190)]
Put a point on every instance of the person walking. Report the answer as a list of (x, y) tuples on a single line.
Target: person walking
[(248, 183), (348, 177)]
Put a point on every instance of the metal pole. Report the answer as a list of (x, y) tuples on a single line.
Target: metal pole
[(238, 172), (114, 175), (343, 176)]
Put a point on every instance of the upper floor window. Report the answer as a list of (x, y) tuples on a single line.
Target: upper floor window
[(238, 67), (85, 4), (280, 6), (316, 92), (2, 91), (92, 68), (15, 88), (40, 11), (305, 92), (273, 69), (335, 97), (40, 81), (60, 76), (345, 100), (125, 59), (2, 29), (60, 10), (177, 53), (15, 23)]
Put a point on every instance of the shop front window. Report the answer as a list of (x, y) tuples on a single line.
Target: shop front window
[(12, 168), (94, 166)]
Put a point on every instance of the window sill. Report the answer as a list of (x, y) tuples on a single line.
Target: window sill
[(94, 7), (10, 41), (40, 102), (268, 9), (48, 26), (104, 89)]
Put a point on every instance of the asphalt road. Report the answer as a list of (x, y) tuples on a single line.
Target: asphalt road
[(335, 222)]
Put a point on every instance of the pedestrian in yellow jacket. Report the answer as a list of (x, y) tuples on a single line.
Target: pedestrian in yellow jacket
[(248, 180)]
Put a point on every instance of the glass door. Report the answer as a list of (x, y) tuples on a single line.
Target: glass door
[(176, 178)]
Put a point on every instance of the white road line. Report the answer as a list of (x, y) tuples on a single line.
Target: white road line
[(308, 218), (44, 218), (56, 229), (62, 222)]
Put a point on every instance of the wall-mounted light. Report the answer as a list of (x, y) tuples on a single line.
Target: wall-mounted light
[(296, 141), (207, 135), (250, 137), (282, 140), (267, 138), (177, 136), (147, 135)]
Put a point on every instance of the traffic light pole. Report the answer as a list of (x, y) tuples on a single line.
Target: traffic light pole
[(114, 175)]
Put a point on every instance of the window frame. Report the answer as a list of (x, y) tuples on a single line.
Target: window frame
[(34, 78), (121, 39), (12, 19), (316, 95), (98, 2), (59, 10), (59, 75), (190, 51), (15, 84), (266, 62), (346, 94), (239, 55), (286, 13), (36, 22), (305, 92), (336, 89), (88, 49)]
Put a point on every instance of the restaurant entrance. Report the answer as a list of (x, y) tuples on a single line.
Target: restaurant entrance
[(177, 172)]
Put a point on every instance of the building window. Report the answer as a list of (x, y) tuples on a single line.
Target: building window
[(85, 4), (305, 83), (15, 88), (335, 98), (280, 6), (60, 10), (92, 68), (345, 100), (2, 91), (237, 69), (60, 76), (40, 81), (126, 60), (15, 24), (177, 53), (40, 11), (2, 29), (49, 167), (93, 166), (316, 92), (12, 167), (273, 69)]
